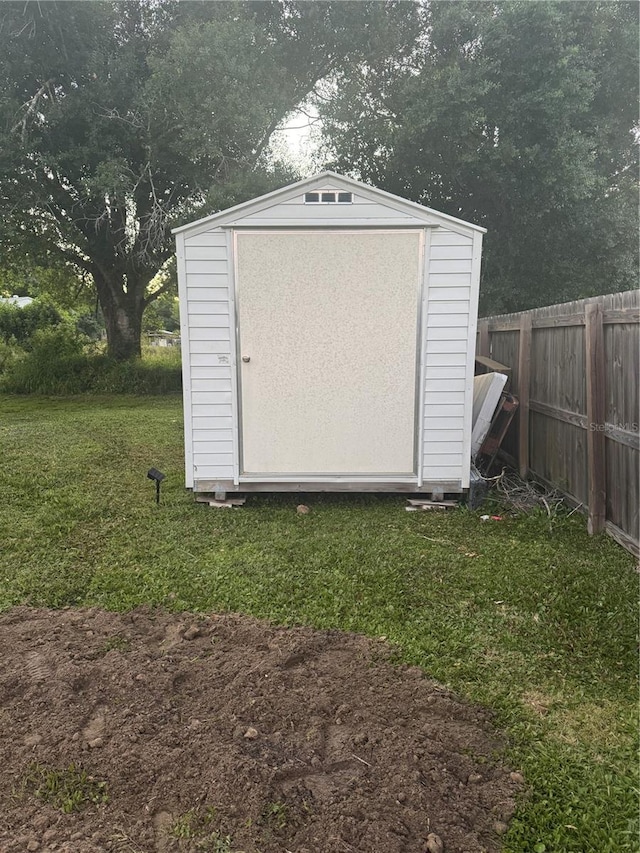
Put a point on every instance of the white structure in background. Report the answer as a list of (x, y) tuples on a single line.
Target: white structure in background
[(164, 338), (20, 301), (328, 339)]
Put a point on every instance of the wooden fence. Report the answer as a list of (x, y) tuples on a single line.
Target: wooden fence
[(575, 369)]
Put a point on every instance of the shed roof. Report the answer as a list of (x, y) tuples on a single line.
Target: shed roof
[(418, 211)]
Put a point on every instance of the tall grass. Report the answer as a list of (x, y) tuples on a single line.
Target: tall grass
[(60, 362)]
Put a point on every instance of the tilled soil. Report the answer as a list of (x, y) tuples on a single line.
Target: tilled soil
[(224, 733)]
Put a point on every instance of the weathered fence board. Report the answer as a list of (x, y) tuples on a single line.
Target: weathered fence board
[(576, 366), (559, 455)]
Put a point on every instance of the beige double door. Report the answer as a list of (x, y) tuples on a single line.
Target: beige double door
[(327, 343)]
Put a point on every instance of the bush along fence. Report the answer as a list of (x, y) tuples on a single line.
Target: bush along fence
[(575, 370)]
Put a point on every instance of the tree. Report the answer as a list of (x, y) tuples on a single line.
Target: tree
[(517, 116), (51, 278), (120, 120)]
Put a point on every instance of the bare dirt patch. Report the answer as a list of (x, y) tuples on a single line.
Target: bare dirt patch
[(223, 733)]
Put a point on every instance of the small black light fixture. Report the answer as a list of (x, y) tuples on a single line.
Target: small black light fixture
[(157, 477)]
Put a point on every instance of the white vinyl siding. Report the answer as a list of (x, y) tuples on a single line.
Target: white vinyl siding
[(294, 210), (449, 280), (448, 310), (209, 357), (201, 267), (205, 252), (331, 214)]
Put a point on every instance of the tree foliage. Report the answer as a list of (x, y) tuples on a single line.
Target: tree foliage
[(47, 276), (517, 116), (18, 325), (121, 120)]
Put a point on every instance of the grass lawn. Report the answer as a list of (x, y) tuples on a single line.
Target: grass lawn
[(528, 616)]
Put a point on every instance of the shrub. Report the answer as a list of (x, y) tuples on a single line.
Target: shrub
[(90, 325), (8, 354), (60, 363), (20, 324), (55, 364)]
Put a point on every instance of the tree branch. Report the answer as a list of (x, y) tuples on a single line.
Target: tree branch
[(31, 106), (165, 288), (77, 259)]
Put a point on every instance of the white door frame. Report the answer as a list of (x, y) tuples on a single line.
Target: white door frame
[(416, 476)]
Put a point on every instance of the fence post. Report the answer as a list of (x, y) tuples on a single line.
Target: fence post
[(524, 379), (596, 460), (484, 342)]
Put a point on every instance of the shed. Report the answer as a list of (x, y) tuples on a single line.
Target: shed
[(328, 339)]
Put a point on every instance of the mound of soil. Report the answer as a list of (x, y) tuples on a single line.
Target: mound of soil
[(180, 733)]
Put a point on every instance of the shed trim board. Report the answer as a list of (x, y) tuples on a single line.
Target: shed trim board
[(447, 269), (186, 374), (419, 383), (249, 471), (471, 355), (335, 484), (235, 387), (327, 226), (426, 248)]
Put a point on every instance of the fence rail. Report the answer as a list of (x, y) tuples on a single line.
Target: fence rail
[(575, 368)]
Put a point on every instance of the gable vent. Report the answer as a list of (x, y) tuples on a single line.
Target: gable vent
[(328, 197)]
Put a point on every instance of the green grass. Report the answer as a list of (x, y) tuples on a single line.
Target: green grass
[(538, 623), (276, 815), (198, 825), (70, 789)]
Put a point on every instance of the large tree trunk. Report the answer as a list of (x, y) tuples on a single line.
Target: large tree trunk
[(124, 330), (122, 312)]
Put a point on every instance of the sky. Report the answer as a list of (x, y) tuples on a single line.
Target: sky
[(297, 141)]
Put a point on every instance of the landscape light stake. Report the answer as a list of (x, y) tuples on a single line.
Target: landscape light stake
[(157, 477)]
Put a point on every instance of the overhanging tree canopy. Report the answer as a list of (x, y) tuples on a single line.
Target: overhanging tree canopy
[(119, 120), (517, 116)]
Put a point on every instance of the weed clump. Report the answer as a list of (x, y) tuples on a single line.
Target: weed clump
[(70, 789), (199, 825)]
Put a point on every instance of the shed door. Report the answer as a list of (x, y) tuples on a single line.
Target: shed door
[(327, 324)]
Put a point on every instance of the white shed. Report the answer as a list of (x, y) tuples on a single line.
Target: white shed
[(328, 339)]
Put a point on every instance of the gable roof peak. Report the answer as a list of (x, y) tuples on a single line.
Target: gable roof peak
[(283, 193)]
